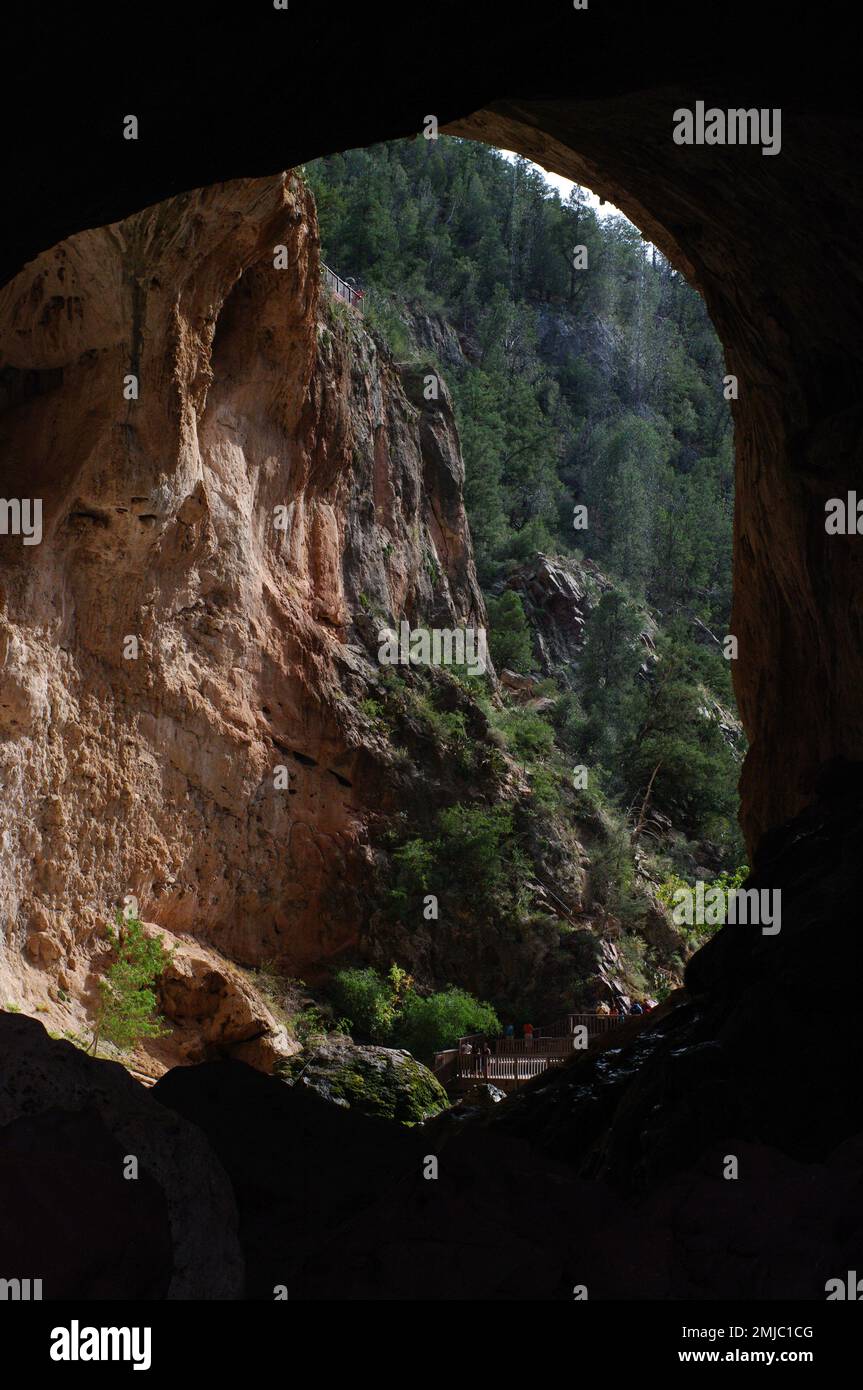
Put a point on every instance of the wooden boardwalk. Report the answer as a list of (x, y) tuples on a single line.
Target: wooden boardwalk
[(510, 1062)]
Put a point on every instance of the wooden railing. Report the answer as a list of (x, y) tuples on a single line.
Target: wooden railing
[(511, 1061), (535, 1047), (498, 1068), (342, 289), (594, 1023)]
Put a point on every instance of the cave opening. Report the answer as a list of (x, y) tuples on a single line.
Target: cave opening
[(574, 416), (721, 1072)]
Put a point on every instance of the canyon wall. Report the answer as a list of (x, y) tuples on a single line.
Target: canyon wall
[(217, 556)]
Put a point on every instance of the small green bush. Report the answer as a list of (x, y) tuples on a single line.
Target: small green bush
[(361, 996), (390, 1011), (127, 1006), (414, 868), (373, 710), (528, 735), (369, 1004), (428, 1025), (473, 841)]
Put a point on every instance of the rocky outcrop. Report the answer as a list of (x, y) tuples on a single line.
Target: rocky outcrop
[(238, 489), (215, 1010), (104, 1193), (557, 594)]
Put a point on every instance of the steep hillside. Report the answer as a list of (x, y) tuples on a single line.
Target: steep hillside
[(241, 490)]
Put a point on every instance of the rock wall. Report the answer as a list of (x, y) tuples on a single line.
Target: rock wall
[(274, 493)]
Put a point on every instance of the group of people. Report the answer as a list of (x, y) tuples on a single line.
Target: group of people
[(619, 1009)]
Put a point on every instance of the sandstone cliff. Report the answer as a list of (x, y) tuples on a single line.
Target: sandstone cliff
[(216, 555)]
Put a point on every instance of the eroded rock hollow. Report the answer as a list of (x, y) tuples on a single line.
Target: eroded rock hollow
[(229, 478)]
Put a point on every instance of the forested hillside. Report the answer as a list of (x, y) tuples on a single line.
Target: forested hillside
[(589, 394), (601, 385)]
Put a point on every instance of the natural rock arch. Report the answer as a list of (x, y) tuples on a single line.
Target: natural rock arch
[(770, 241)]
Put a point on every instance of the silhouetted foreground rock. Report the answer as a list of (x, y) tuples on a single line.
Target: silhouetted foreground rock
[(69, 1216), (609, 1172), (336, 1206), (301, 1166)]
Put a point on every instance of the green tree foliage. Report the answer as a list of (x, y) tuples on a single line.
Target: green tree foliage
[(528, 735), (509, 633), (597, 387), (600, 386), (389, 1010), (434, 1022), (474, 851), (674, 741), (127, 1004), (727, 883), (369, 1002), (613, 651)]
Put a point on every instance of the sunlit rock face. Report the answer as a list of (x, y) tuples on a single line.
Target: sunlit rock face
[(185, 627)]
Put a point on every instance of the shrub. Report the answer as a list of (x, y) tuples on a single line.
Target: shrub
[(365, 1001), (528, 735), (474, 841), (127, 1005), (509, 635), (612, 871), (570, 723), (428, 1025), (390, 1011), (414, 865), (726, 883), (545, 785), (373, 710)]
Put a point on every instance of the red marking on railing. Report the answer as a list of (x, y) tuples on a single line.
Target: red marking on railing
[(342, 289)]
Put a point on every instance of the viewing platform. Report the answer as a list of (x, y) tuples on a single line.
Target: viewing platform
[(341, 289), (511, 1062)]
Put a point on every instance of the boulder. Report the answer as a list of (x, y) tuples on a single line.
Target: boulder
[(514, 680), (301, 1167), (215, 1009), (381, 1081), (71, 1214)]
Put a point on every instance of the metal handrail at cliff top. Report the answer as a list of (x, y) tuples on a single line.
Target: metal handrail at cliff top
[(341, 289)]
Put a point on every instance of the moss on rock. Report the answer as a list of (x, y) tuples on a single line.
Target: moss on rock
[(380, 1081)]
